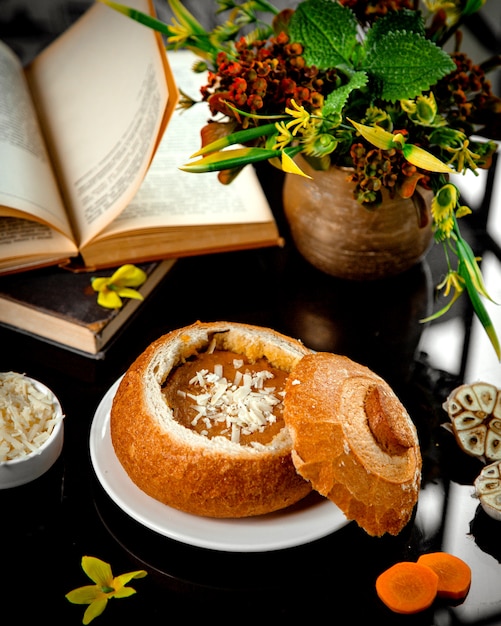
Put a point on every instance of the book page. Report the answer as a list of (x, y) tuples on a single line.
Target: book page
[(25, 244), (102, 94), (28, 187), (170, 197)]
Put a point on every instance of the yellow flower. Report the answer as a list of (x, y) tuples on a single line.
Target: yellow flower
[(423, 110), (289, 166), (414, 154), (179, 34), (442, 209), (463, 210), (451, 9), (451, 281), (106, 587), (284, 136), (112, 290), (463, 157), (300, 115)]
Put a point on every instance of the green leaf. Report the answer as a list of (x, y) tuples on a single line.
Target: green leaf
[(470, 265), (376, 135), (404, 21), (424, 159), (480, 310), (472, 6), (264, 5), (228, 159), (471, 274), (328, 32), (336, 100), (405, 64)]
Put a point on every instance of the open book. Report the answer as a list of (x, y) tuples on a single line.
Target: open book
[(90, 168)]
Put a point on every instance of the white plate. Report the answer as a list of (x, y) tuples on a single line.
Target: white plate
[(311, 519)]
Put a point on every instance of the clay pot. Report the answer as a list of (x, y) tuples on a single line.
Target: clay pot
[(337, 235)]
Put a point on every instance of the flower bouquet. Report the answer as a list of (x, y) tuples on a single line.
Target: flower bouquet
[(362, 84)]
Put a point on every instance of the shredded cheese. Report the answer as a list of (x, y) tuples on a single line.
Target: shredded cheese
[(244, 404), (27, 416)]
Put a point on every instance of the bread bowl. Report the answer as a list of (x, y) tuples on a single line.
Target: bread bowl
[(339, 429), (197, 472), (354, 441)]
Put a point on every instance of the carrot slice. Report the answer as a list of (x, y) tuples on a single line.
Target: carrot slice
[(454, 575), (407, 587)]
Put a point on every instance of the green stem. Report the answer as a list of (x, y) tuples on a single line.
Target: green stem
[(241, 136), (139, 16)]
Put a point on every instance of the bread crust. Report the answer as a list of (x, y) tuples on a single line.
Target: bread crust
[(355, 442), (184, 469)]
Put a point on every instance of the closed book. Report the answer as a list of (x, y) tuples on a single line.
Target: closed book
[(61, 306)]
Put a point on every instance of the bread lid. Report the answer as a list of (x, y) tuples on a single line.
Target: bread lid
[(354, 441)]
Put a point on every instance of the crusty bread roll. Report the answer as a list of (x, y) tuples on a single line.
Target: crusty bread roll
[(335, 427), (354, 441), (175, 464)]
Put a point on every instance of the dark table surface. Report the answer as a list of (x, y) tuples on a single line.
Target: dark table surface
[(48, 525)]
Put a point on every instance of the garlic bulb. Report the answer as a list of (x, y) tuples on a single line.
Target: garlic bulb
[(475, 414), (488, 489)]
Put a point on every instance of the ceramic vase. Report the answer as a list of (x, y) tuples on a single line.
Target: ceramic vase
[(337, 235)]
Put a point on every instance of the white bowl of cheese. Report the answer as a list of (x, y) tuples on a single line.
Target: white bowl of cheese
[(31, 429)]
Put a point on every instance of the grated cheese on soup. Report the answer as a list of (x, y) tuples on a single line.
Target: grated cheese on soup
[(26, 416), (245, 404)]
